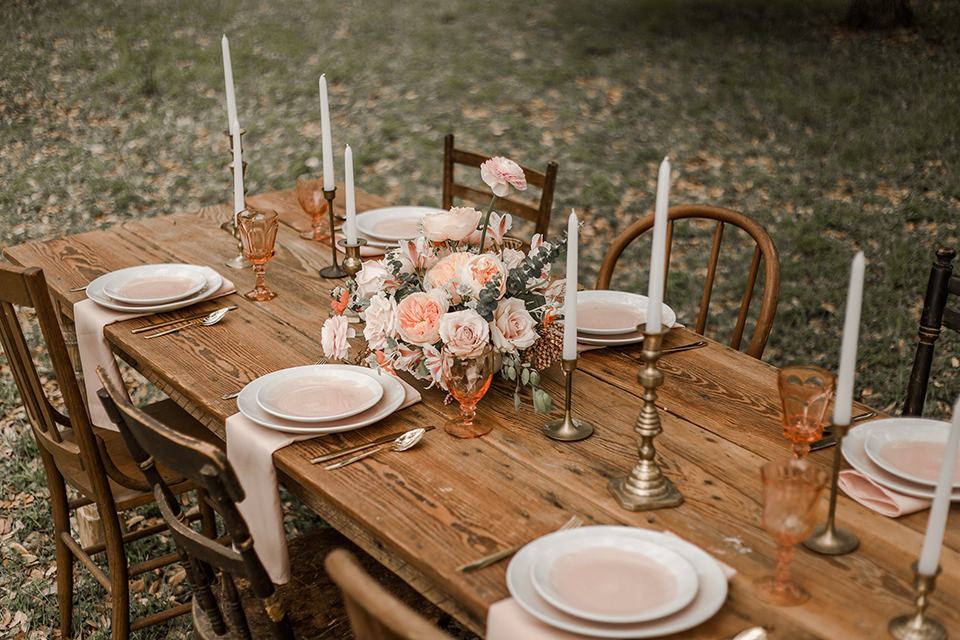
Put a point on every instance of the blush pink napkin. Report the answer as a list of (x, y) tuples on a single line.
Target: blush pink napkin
[(366, 250), (506, 620), (90, 319), (250, 450), (877, 497)]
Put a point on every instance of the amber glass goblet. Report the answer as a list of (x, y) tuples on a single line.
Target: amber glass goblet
[(791, 491), (468, 378), (805, 392), (258, 233), (310, 197)]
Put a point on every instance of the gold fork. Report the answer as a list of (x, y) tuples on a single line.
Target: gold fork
[(486, 561)]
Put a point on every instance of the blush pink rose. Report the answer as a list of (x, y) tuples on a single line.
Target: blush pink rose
[(456, 224), (513, 328), (499, 173), (381, 317), (418, 318), (464, 333), (333, 337), (482, 269)]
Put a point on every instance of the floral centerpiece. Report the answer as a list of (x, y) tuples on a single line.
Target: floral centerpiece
[(458, 287)]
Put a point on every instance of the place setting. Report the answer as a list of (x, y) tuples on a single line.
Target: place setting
[(608, 318)]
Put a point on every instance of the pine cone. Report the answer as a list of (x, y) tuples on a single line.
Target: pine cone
[(547, 348)]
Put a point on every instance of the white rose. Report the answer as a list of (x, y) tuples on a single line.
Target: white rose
[(513, 328), (464, 333), (370, 278), (381, 319)]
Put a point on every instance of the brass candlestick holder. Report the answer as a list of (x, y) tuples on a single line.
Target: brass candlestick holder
[(334, 270), (918, 626), (567, 429), (230, 226), (829, 539), (352, 262), (646, 487)]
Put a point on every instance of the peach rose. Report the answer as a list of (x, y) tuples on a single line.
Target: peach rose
[(333, 337), (418, 318), (513, 326), (464, 333), (480, 270), (381, 317), (456, 224), (443, 275), (499, 173)]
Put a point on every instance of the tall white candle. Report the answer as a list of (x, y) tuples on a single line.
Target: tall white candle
[(238, 204), (658, 257), (848, 349), (351, 224), (937, 521), (228, 79), (328, 182), (570, 295)]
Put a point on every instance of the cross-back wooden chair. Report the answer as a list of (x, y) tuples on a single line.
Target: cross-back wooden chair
[(546, 181), (934, 316), (765, 250), (93, 461), (375, 614), (248, 604)]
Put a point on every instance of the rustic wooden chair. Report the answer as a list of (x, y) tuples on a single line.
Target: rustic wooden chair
[(538, 214), (248, 604), (376, 614), (935, 315), (93, 461), (765, 249)]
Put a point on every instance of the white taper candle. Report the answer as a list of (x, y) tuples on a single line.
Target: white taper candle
[(228, 79), (658, 256), (570, 295), (937, 521), (848, 348), (238, 204), (351, 225), (327, 142)]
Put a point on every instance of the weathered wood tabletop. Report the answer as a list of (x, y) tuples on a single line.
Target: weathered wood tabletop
[(448, 501)]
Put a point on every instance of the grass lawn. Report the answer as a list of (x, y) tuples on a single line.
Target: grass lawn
[(835, 141)]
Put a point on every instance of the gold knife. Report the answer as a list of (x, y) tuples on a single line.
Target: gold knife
[(167, 323), (361, 447)]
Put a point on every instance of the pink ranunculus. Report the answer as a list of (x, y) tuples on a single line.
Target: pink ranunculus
[(370, 278), (464, 333), (513, 328), (443, 275), (482, 269), (381, 317), (456, 224), (333, 337), (418, 318), (499, 173)]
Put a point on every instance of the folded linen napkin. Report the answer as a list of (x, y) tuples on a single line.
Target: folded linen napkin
[(90, 319), (877, 497), (250, 450)]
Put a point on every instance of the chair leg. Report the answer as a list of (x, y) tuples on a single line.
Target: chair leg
[(65, 558), (119, 575)]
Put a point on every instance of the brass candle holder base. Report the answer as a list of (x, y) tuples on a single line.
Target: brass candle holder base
[(828, 538), (646, 488), (567, 429), (919, 626), (230, 226), (334, 270), (352, 262)]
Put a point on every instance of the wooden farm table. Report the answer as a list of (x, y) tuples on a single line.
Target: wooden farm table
[(448, 501)]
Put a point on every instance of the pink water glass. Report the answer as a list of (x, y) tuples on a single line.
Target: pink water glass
[(467, 379), (311, 199), (791, 492), (805, 393), (258, 234)]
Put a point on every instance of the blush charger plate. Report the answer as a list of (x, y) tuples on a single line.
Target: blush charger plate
[(274, 394), (914, 430), (116, 282), (368, 221), (634, 302), (95, 292)]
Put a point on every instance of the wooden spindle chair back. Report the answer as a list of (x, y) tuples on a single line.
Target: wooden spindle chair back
[(935, 316), (539, 214), (764, 251)]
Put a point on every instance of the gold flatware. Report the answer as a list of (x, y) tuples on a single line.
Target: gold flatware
[(167, 323), (685, 347), (361, 447), (211, 319), (486, 561), (402, 443), (83, 288), (753, 633), (829, 441)]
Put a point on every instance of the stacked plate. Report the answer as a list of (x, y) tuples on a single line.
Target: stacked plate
[(616, 582), (612, 318), (902, 454), (387, 226), (321, 398), (153, 288)]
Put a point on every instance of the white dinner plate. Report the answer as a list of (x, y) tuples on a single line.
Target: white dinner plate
[(95, 292), (154, 284), (318, 395), (912, 451), (393, 395), (609, 578), (615, 313), (393, 223), (710, 597), (854, 450)]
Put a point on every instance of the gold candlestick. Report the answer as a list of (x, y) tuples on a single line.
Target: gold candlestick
[(567, 429), (829, 539), (334, 270), (230, 226), (352, 262), (646, 487), (918, 626)]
